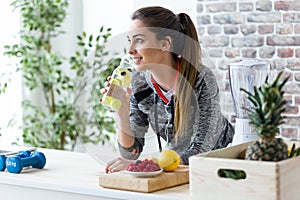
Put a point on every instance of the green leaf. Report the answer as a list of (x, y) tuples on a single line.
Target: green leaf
[(267, 107), (61, 121)]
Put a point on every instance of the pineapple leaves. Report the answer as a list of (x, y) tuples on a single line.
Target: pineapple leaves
[(267, 105)]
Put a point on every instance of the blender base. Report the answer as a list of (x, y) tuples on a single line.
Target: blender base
[(243, 132)]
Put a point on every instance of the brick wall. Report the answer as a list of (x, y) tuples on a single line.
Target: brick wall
[(264, 29)]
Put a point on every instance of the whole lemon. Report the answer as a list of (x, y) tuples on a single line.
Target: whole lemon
[(168, 160)]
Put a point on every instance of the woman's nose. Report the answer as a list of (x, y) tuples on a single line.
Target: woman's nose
[(132, 50)]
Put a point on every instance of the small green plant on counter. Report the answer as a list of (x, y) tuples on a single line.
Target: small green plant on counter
[(59, 120), (231, 173)]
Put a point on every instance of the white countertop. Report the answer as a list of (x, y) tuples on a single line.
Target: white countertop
[(72, 175)]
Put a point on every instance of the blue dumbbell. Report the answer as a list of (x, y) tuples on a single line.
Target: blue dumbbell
[(15, 164), (21, 154)]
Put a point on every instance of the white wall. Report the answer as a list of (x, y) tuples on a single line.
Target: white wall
[(177, 6), (116, 13), (83, 15), (112, 14), (11, 100)]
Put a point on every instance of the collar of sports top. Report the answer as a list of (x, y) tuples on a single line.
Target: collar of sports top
[(166, 101), (157, 88)]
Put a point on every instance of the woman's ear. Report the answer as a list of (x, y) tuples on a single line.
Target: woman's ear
[(166, 43)]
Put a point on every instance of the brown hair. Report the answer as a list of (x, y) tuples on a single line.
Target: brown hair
[(185, 44)]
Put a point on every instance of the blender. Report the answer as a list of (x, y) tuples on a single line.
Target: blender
[(245, 74)]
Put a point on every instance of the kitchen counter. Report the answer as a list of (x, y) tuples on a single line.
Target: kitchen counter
[(72, 175)]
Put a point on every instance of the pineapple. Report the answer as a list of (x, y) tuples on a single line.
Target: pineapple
[(265, 117)]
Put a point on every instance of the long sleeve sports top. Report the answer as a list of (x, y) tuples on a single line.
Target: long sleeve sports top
[(207, 128)]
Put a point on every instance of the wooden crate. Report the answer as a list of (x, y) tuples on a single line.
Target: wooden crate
[(264, 180)]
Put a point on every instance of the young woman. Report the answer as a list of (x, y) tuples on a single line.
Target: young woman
[(171, 90)]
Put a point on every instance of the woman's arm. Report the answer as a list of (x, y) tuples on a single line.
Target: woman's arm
[(133, 123), (211, 129), (124, 132)]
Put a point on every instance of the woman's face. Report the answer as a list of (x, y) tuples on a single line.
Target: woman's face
[(144, 48)]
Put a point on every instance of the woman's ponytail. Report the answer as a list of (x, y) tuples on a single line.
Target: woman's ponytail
[(189, 62), (191, 40)]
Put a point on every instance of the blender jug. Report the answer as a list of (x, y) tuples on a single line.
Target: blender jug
[(245, 74)]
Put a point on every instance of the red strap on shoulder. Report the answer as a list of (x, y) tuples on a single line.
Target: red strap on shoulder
[(158, 90)]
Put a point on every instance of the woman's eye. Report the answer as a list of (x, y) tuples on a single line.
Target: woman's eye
[(138, 40)]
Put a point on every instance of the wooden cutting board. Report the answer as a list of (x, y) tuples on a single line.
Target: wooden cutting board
[(123, 181)]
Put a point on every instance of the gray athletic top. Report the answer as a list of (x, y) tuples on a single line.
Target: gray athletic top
[(207, 128)]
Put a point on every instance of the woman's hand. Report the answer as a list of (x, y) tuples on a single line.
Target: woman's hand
[(122, 116), (117, 164), (124, 110), (106, 87)]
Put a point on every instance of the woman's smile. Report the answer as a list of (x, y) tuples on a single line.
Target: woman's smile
[(137, 60)]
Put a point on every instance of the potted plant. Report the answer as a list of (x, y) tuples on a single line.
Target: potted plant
[(61, 121)]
